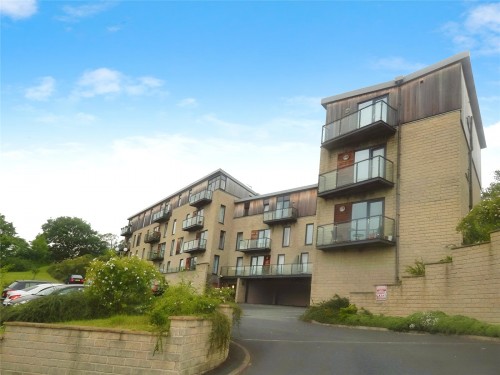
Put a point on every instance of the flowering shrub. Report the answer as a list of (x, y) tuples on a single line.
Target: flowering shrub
[(424, 321), (224, 294), (123, 285)]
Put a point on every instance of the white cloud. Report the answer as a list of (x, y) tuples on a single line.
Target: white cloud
[(18, 9), (479, 30), (108, 82), (43, 91), (490, 156), (397, 64), (188, 103), (102, 81), (74, 13)]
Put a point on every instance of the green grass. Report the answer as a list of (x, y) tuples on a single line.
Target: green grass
[(128, 322), (8, 277)]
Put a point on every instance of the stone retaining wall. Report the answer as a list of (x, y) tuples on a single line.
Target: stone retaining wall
[(468, 285), (33, 348)]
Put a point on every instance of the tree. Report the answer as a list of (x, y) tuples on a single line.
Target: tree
[(111, 240), (71, 237), (10, 243), (484, 217)]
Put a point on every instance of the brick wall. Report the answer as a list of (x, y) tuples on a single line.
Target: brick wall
[(469, 285), (32, 348)]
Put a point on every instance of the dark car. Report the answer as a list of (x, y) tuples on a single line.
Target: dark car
[(75, 279), (53, 291), (22, 284)]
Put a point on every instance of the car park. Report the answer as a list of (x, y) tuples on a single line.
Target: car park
[(22, 284), (54, 290), (15, 294)]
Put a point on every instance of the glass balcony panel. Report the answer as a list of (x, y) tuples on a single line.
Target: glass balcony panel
[(280, 215), (295, 269), (200, 198), (254, 245), (194, 245), (375, 229), (379, 111)]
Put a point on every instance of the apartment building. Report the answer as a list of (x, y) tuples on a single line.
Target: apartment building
[(399, 167)]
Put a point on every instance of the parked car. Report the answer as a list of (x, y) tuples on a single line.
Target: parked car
[(21, 284), (75, 279), (15, 294), (53, 290)]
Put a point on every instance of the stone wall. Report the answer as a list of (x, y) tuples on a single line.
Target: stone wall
[(33, 348), (468, 285)]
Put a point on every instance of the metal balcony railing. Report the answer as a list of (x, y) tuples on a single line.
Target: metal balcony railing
[(162, 215), (260, 244), (156, 255), (364, 175), (191, 267), (377, 119), (201, 198), (194, 246), (152, 237), (280, 215), (126, 231), (373, 230), (293, 269), (193, 223)]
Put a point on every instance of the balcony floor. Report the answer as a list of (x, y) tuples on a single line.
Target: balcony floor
[(358, 187), (381, 242), (376, 129)]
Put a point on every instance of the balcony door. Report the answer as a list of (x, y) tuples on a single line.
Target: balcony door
[(372, 110), (368, 163), (256, 263), (282, 203), (366, 219)]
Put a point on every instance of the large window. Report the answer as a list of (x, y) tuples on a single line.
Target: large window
[(239, 238), (215, 268), (286, 236), (281, 263), (309, 234), (222, 239), (239, 265), (138, 240), (172, 247), (174, 225), (222, 213)]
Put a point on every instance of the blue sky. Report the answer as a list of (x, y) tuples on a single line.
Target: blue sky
[(110, 106)]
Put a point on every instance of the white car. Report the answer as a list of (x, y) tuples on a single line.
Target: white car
[(15, 294)]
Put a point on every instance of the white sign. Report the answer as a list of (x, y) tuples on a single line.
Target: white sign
[(381, 292)]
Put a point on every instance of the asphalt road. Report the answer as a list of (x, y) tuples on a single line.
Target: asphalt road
[(280, 344)]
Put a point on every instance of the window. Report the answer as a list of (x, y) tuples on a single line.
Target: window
[(246, 208), (173, 226), (266, 206), (179, 201), (172, 247), (309, 234), (281, 263), (165, 230), (239, 238), (168, 266), (215, 269), (239, 266), (372, 110), (304, 262), (142, 254), (286, 236), (222, 239), (178, 250), (222, 213), (181, 264), (138, 240)]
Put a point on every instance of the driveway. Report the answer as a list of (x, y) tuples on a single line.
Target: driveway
[(280, 344)]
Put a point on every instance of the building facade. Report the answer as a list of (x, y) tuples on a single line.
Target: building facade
[(399, 167)]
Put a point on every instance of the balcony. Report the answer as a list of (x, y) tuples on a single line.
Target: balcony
[(369, 231), (200, 199), (126, 231), (282, 215), (363, 176), (152, 237), (252, 246), (193, 223), (156, 255), (162, 215), (194, 246), (378, 119), (275, 270)]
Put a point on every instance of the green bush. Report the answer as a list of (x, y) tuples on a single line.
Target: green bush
[(124, 285), (77, 266), (17, 264), (52, 309)]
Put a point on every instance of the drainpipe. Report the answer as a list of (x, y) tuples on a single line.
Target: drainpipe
[(398, 81), (471, 146)]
